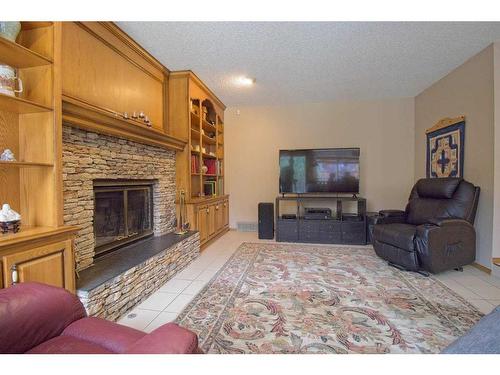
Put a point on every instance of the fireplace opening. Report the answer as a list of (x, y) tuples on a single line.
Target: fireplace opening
[(123, 212)]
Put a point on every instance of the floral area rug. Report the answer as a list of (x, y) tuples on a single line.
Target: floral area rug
[(281, 298)]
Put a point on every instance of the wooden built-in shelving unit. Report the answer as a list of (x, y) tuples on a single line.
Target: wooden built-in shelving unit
[(30, 126), (197, 116)]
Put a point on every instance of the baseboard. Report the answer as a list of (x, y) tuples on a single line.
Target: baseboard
[(481, 268)]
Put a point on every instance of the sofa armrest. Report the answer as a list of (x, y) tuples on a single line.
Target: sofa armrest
[(168, 339), (32, 313)]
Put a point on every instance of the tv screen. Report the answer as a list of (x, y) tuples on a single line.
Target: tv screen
[(331, 170)]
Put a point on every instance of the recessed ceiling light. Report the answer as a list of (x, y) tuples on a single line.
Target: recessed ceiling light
[(244, 81)]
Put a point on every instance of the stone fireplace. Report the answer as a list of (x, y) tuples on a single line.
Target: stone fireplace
[(121, 194), (89, 158)]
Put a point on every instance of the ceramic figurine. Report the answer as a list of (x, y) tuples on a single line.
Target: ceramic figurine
[(10, 30), (204, 169), (7, 155), (7, 214)]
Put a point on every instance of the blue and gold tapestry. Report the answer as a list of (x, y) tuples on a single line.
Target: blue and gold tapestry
[(445, 151)]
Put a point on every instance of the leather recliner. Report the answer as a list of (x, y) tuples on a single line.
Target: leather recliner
[(435, 232)]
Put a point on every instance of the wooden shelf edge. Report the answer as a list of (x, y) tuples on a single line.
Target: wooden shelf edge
[(19, 105), (30, 25), (201, 200), (18, 56), (23, 164), (87, 116), (33, 234)]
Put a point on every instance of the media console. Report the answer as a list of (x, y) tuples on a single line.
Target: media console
[(342, 228)]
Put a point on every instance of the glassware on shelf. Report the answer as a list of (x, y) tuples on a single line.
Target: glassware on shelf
[(8, 79), (10, 30)]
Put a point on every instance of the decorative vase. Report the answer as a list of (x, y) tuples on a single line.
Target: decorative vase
[(8, 79), (10, 30)]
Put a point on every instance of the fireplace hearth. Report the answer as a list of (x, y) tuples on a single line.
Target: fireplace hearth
[(123, 212)]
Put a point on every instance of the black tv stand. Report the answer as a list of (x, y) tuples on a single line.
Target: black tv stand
[(341, 228)]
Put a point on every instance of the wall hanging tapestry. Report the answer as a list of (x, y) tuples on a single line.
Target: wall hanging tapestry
[(445, 148)]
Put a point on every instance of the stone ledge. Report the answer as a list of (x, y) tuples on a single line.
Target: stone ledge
[(134, 276)]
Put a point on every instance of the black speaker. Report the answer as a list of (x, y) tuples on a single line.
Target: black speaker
[(266, 221)]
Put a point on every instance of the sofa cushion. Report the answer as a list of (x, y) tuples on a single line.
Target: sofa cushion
[(68, 345), (109, 335), (483, 338), (399, 235)]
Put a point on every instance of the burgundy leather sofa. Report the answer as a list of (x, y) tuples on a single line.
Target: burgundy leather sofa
[(42, 319)]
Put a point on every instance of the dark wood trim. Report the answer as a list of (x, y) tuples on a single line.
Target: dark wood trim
[(81, 114)]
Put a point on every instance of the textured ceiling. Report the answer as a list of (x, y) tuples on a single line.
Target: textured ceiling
[(312, 62)]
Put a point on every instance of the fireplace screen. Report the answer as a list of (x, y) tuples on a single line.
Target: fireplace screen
[(123, 212)]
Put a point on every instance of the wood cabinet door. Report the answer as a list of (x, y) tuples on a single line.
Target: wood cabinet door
[(225, 207), (203, 223), (211, 220), (49, 264), (219, 216)]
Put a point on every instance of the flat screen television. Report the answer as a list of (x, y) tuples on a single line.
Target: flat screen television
[(328, 170)]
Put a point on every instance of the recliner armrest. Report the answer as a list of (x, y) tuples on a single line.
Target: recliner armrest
[(441, 221), (390, 217), (392, 213)]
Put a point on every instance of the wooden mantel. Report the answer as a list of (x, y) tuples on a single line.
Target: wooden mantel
[(86, 116), (106, 77)]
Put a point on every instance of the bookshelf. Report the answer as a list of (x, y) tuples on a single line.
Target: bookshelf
[(197, 116), (30, 126)]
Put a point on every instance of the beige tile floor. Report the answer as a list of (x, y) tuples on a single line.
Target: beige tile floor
[(163, 306)]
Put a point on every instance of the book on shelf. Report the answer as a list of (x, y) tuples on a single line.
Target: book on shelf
[(209, 188), (218, 167), (220, 187), (194, 164)]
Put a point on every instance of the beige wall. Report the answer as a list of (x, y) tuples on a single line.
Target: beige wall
[(468, 90), (496, 213), (384, 130)]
